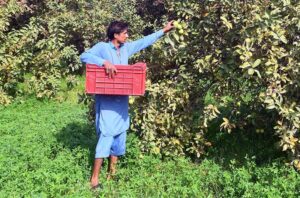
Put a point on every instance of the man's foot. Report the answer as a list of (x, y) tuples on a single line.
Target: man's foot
[(94, 182), (97, 186), (109, 176)]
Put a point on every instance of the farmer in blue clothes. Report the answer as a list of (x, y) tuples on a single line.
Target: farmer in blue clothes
[(112, 118)]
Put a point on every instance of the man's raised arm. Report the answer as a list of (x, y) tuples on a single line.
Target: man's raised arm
[(138, 45)]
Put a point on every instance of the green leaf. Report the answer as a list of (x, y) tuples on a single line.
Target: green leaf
[(283, 39), (245, 65), (256, 63), (176, 36), (258, 73), (226, 22)]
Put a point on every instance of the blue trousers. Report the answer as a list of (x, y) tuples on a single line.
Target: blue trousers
[(111, 145)]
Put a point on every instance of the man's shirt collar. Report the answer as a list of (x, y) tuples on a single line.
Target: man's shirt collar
[(113, 46)]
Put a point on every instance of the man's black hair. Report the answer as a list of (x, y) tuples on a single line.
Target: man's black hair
[(116, 27)]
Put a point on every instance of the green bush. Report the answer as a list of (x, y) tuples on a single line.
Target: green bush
[(44, 39), (244, 56)]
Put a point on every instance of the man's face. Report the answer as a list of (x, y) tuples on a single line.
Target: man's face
[(122, 37)]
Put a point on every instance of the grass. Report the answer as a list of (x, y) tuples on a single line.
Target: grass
[(47, 150)]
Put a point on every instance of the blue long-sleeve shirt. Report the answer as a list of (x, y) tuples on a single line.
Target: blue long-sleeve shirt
[(112, 111)]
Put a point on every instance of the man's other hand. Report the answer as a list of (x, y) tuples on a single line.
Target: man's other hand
[(110, 69)]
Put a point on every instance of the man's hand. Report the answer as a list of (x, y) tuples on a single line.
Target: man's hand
[(110, 69), (168, 27)]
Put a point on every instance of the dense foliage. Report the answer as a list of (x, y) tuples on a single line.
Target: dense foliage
[(232, 66), (47, 150), (41, 41), (235, 63)]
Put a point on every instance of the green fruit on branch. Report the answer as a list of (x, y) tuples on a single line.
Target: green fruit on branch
[(250, 71), (175, 23), (131, 100), (248, 40)]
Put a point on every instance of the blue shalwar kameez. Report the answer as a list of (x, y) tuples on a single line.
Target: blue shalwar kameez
[(112, 119)]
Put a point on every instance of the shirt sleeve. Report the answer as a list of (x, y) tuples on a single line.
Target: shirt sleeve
[(93, 55), (138, 45)]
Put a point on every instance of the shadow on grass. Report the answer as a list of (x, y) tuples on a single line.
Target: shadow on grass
[(76, 136), (240, 145)]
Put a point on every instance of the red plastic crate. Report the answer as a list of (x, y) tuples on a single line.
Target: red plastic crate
[(129, 80)]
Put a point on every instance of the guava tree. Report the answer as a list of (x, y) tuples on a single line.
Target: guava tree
[(244, 57)]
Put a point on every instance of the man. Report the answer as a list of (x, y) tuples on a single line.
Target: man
[(112, 119)]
